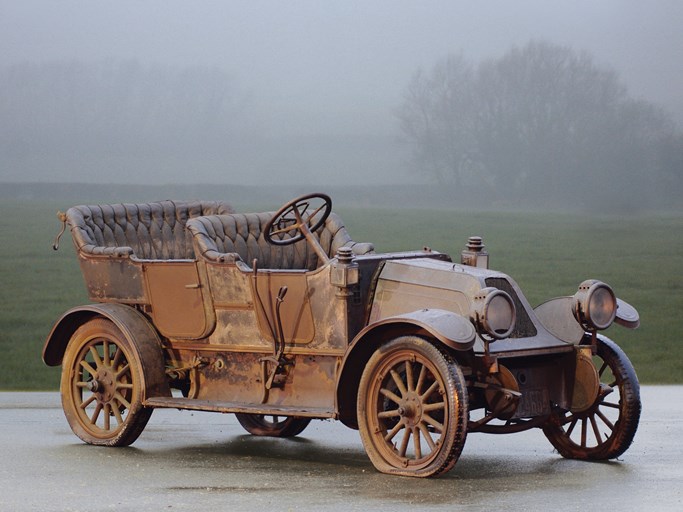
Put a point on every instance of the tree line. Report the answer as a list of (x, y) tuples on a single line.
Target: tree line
[(543, 125)]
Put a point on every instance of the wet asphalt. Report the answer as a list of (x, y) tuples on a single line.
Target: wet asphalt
[(190, 461)]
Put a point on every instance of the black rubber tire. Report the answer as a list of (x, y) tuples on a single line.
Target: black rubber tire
[(279, 426), (112, 414), (617, 410), (411, 387)]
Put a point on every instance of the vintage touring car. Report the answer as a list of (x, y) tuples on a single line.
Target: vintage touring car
[(282, 318)]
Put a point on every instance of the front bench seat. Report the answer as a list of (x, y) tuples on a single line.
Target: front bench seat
[(241, 237)]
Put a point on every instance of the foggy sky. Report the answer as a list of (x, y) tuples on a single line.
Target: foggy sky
[(341, 67)]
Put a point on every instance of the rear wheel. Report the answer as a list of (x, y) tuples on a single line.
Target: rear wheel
[(273, 426), (606, 429), (101, 386), (412, 408)]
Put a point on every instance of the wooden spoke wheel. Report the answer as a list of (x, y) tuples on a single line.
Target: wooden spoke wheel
[(606, 429), (273, 426), (412, 408), (102, 386)]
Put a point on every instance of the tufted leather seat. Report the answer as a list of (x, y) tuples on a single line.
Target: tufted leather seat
[(240, 237), (143, 231)]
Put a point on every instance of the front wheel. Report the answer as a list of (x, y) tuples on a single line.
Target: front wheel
[(102, 386), (412, 408), (607, 428), (273, 426)]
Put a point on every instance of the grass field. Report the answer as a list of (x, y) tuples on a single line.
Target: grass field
[(548, 255)]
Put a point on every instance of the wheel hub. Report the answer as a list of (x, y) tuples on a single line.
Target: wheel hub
[(410, 410), (103, 385)]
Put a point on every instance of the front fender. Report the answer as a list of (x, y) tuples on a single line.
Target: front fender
[(451, 329), (132, 324), (556, 316)]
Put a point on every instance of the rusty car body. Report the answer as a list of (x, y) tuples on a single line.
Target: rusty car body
[(282, 318)]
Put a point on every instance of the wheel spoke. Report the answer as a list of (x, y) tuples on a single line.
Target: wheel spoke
[(605, 420), (399, 382), (409, 376), (124, 385), (87, 402), (118, 396), (96, 414), (404, 442), (427, 435), (572, 425), (421, 379), (117, 414), (429, 391), (428, 419), (96, 356), (610, 404), (390, 395), (603, 368), (584, 426), (117, 357), (122, 371), (596, 430), (416, 443), (107, 416), (105, 351), (436, 406), (388, 414), (86, 366), (392, 433)]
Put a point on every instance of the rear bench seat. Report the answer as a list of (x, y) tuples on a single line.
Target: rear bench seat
[(146, 231), (241, 237)]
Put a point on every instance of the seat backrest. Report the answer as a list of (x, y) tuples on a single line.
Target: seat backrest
[(242, 236), (146, 231)]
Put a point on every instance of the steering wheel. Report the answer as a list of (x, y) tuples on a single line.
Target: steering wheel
[(294, 219)]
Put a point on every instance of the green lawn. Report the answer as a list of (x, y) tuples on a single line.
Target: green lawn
[(548, 255)]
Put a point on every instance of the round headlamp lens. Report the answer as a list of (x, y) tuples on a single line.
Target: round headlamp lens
[(500, 315), (602, 307), (494, 313), (595, 305)]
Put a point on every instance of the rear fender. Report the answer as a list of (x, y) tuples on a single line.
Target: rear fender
[(450, 329), (135, 328)]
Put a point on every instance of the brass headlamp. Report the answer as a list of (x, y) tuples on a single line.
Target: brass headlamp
[(594, 305), (494, 313)]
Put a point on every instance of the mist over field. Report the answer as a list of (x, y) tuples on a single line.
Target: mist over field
[(506, 104)]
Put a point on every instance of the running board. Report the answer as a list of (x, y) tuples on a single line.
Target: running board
[(231, 407)]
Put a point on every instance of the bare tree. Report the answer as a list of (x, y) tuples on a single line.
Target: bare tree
[(549, 105), (437, 119), (542, 121)]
